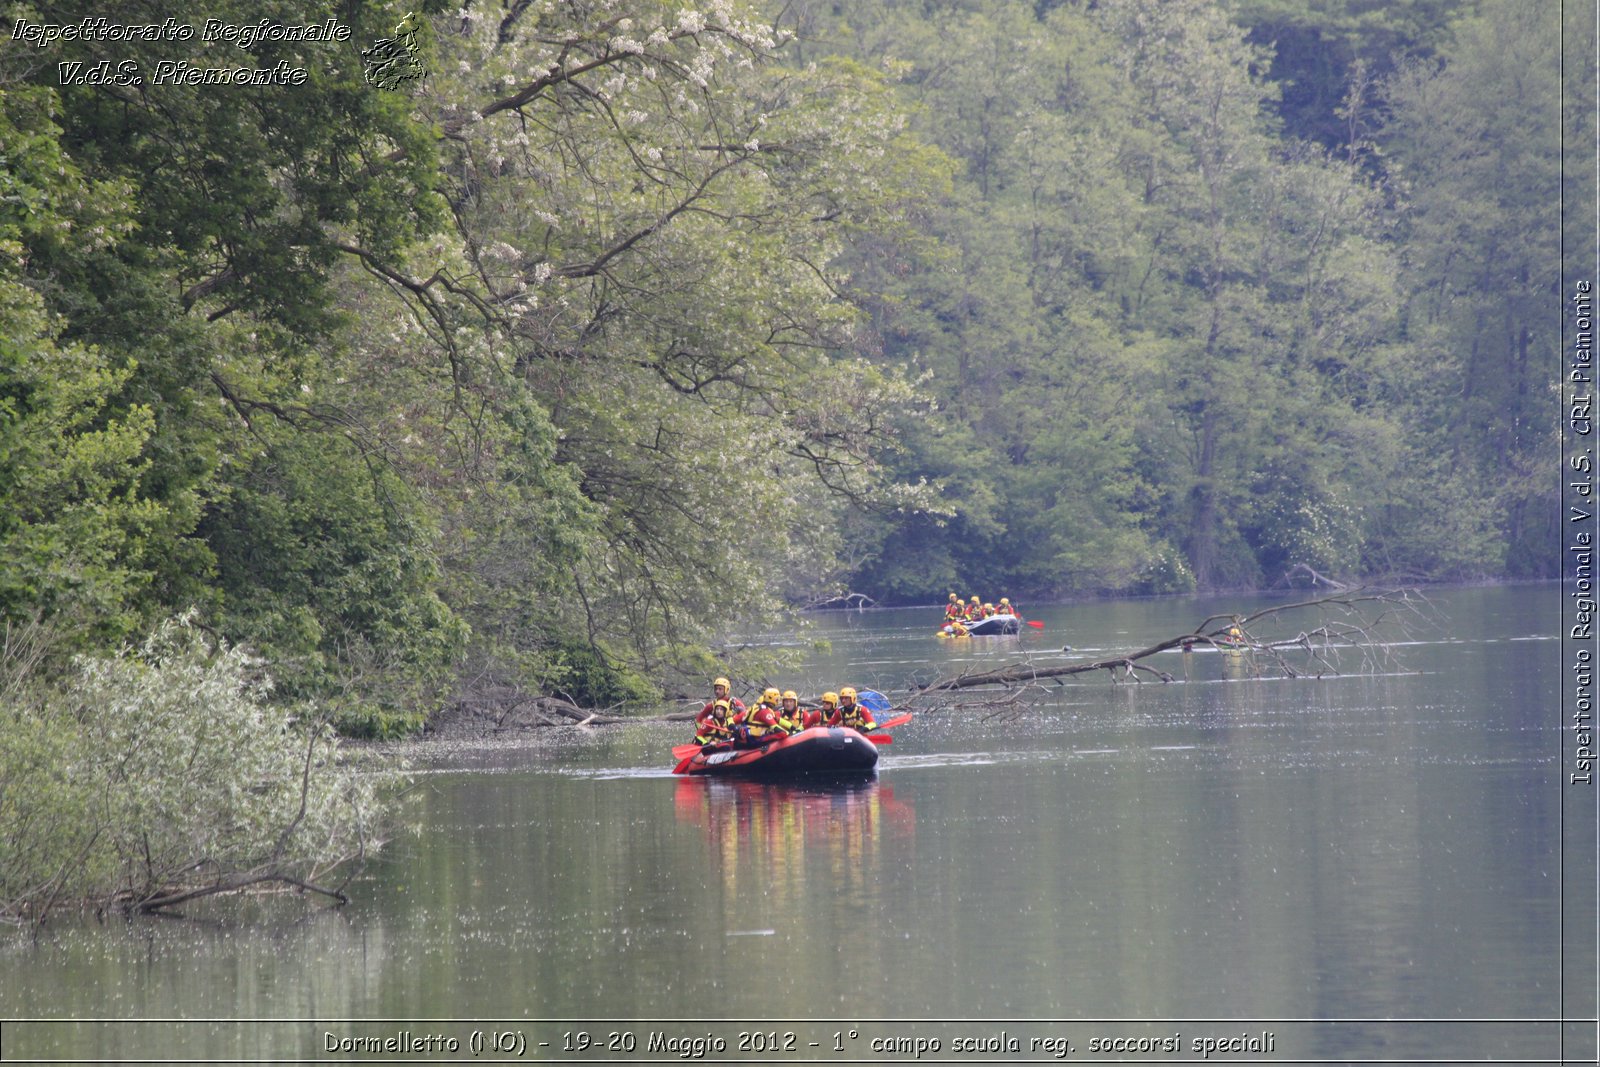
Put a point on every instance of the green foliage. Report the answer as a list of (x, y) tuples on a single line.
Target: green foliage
[(1140, 300), (168, 769), (324, 558), (82, 529), (1165, 572), (184, 244), (250, 193), (582, 672), (1475, 143), (645, 240), (74, 527)]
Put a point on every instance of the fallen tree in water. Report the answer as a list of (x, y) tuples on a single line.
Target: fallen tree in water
[(1354, 621)]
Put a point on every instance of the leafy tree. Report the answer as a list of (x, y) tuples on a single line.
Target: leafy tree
[(645, 231), (211, 290), (1474, 141), (82, 531)]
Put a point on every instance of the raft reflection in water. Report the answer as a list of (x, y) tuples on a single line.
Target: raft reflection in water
[(797, 839)]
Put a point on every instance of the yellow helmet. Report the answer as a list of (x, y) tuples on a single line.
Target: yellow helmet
[(722, 705), (831, 699), (975, 600), (847, 692), (790, 694), (770, 695), (954, 597), (1005, 600), (722, 682)]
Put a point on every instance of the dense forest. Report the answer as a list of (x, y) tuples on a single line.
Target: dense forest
[(637, 324)]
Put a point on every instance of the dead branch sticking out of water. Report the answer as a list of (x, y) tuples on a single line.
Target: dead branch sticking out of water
[(162, 904), (854, 601), (1363, 618), (1301, 570), (1012, 706)]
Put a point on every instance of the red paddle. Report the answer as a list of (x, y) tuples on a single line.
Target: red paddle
[(1036, 624), (879, 739), (898, 720)]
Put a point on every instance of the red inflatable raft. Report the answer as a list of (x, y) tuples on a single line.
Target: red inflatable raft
[(819, 750)]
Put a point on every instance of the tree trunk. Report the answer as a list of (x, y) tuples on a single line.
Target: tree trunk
[(1202, 540)]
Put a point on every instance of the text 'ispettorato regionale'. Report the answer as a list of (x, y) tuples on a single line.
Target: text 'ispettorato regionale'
[(168, 71)]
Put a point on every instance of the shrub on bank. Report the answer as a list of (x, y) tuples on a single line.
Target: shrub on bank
[(165, 773)]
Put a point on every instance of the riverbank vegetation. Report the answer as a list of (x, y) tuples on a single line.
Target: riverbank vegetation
[(164, 774), (641, 323)]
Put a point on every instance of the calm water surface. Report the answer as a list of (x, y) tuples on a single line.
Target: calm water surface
[(1223, 857)]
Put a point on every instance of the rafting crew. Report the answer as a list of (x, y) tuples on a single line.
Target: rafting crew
[(725, 720), (959, 615), (975, 610)]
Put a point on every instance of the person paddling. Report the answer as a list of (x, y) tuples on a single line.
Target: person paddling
[(760, 721), (856, 716), (954, 609), (714, 726)]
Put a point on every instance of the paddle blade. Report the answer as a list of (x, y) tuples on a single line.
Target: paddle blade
[(898, 720), (873, 700), (880, 739), (1036, 624), (684, 751)]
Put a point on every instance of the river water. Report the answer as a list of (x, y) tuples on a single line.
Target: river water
[(1367, 867)]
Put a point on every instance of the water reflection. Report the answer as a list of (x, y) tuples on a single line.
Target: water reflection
[(795, 840)]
